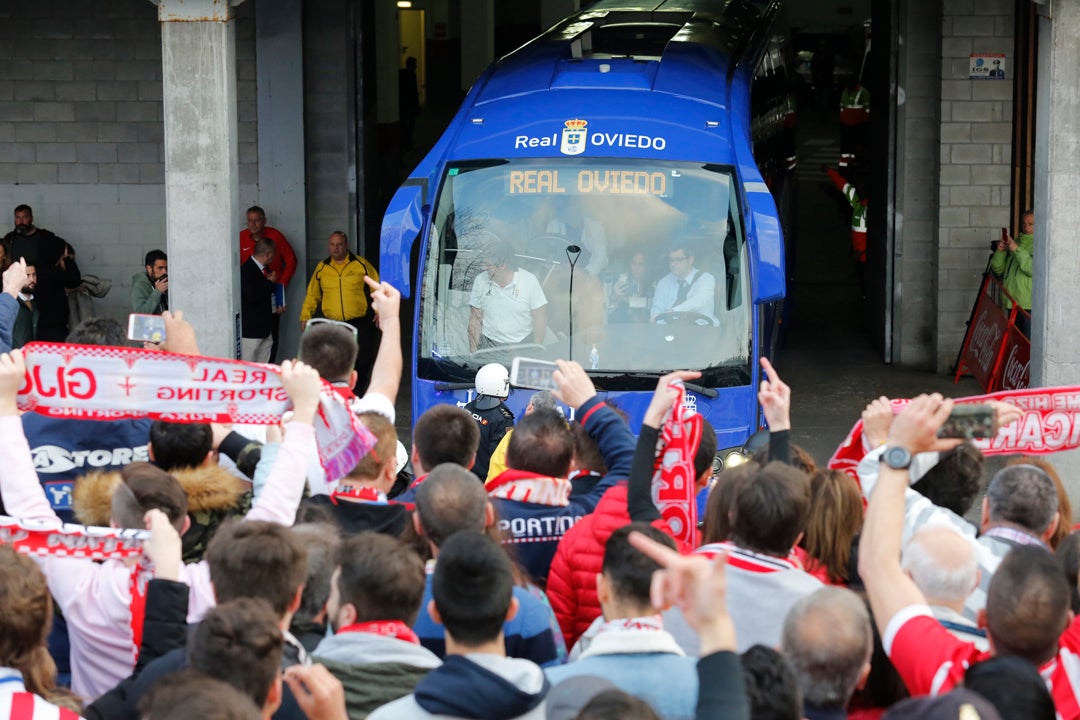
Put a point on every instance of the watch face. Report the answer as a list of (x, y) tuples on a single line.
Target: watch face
[(897, 458)]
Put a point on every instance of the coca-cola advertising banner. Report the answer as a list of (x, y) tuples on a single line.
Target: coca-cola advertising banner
[(111, 383), (1016, 366), (995, 351), (1051, 422)]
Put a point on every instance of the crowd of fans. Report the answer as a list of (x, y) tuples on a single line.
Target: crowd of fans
[(264, 590)]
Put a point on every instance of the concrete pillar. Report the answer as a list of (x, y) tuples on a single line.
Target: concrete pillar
[(477, 39), (202, 213), (1055, 352), (279, 46)]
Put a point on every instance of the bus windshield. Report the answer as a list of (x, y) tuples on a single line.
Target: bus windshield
[(632, 268)]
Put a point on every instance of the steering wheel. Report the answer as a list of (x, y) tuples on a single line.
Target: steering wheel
[(549, 247), (680, 317), (484, 352)]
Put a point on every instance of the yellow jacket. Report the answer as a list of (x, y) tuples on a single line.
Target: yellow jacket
[(339, 293)]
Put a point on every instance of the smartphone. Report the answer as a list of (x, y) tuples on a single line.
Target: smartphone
[(533, 374), (970, 422), (146, 328)]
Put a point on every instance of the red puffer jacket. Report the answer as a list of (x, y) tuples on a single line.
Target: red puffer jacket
[(571, 584)]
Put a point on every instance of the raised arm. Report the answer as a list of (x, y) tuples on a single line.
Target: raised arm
[(889, 589), (386, 372), (612, 436), (20, 490), (279, 499), (14, 281), (639, 494), (775, 398)]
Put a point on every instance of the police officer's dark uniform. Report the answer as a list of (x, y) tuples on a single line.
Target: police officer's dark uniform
[(494, 419)]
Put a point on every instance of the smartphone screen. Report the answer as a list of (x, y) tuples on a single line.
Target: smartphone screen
[(146, 328), (970, 422), (533, 374)]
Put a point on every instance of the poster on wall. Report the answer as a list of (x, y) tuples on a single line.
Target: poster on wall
[(987, 66)]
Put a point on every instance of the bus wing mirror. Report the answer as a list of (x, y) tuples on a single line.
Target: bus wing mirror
[(401, 227), (767, 253)]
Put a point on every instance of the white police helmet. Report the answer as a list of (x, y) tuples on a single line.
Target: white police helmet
[(493, 380)]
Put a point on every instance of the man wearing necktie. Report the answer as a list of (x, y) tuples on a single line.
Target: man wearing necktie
[(685, 289), (257, 279)]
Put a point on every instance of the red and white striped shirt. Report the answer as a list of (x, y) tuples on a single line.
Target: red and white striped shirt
[(18, 704), (932, 661)]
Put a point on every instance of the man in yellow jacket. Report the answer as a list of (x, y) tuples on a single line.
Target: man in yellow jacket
[(337, 291)]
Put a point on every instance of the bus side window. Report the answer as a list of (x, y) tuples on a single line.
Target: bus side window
[(732, 269)]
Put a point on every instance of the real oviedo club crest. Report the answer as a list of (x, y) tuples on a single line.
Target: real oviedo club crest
[(574, 137)]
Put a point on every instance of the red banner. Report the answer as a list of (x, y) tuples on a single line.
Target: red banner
[(48, 538), (1016, 366), (1051, 422), (110, 383), (994, 350)]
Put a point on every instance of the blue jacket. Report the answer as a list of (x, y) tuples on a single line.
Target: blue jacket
[(65, 449), (533, 634), (534, 528), (9, 308)]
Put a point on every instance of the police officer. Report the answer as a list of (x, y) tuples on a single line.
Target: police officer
[(490, 413)]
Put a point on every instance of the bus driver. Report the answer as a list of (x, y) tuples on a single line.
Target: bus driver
[(685, 289), (508, 304)]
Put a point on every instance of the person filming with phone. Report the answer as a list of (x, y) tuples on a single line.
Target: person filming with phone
[(1012, 264), (150, 288)]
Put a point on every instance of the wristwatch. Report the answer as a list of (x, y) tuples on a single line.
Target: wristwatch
[(896, 457)]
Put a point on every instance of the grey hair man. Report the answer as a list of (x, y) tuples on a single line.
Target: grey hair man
[(827, 639), (1020, 508), (941, 563)]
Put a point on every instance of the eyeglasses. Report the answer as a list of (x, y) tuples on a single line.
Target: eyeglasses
[(677, 260), (313, 322)]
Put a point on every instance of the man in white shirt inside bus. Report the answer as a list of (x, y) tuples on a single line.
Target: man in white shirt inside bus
[(508, 304)]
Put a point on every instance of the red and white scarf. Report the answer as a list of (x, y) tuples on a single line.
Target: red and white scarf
[(1050, 423), (112, 383), (48, 538), (386, 628), (529, 487), (359, 493), (743, 559), (674, 483)]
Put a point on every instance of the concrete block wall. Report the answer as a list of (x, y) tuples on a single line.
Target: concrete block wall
[(329, 171), (81, 128), (917, 179), (975, 160)]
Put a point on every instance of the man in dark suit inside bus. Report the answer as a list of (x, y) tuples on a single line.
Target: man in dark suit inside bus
[(685, 290)]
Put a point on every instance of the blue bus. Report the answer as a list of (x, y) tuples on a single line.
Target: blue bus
[(605, 194)]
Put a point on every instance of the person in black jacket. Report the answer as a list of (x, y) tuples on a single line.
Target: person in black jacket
[(56, 271), (257, 309)]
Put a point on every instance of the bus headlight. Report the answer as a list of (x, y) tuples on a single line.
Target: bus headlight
[(735, 458), (732, 457)]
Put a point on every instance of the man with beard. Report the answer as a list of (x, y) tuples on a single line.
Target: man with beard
[(150, 288), (26, 319), (56, 271)]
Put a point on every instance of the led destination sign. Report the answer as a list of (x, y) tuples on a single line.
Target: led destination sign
[(583, 181)]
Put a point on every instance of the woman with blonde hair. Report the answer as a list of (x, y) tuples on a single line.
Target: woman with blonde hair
[(27, 672)]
